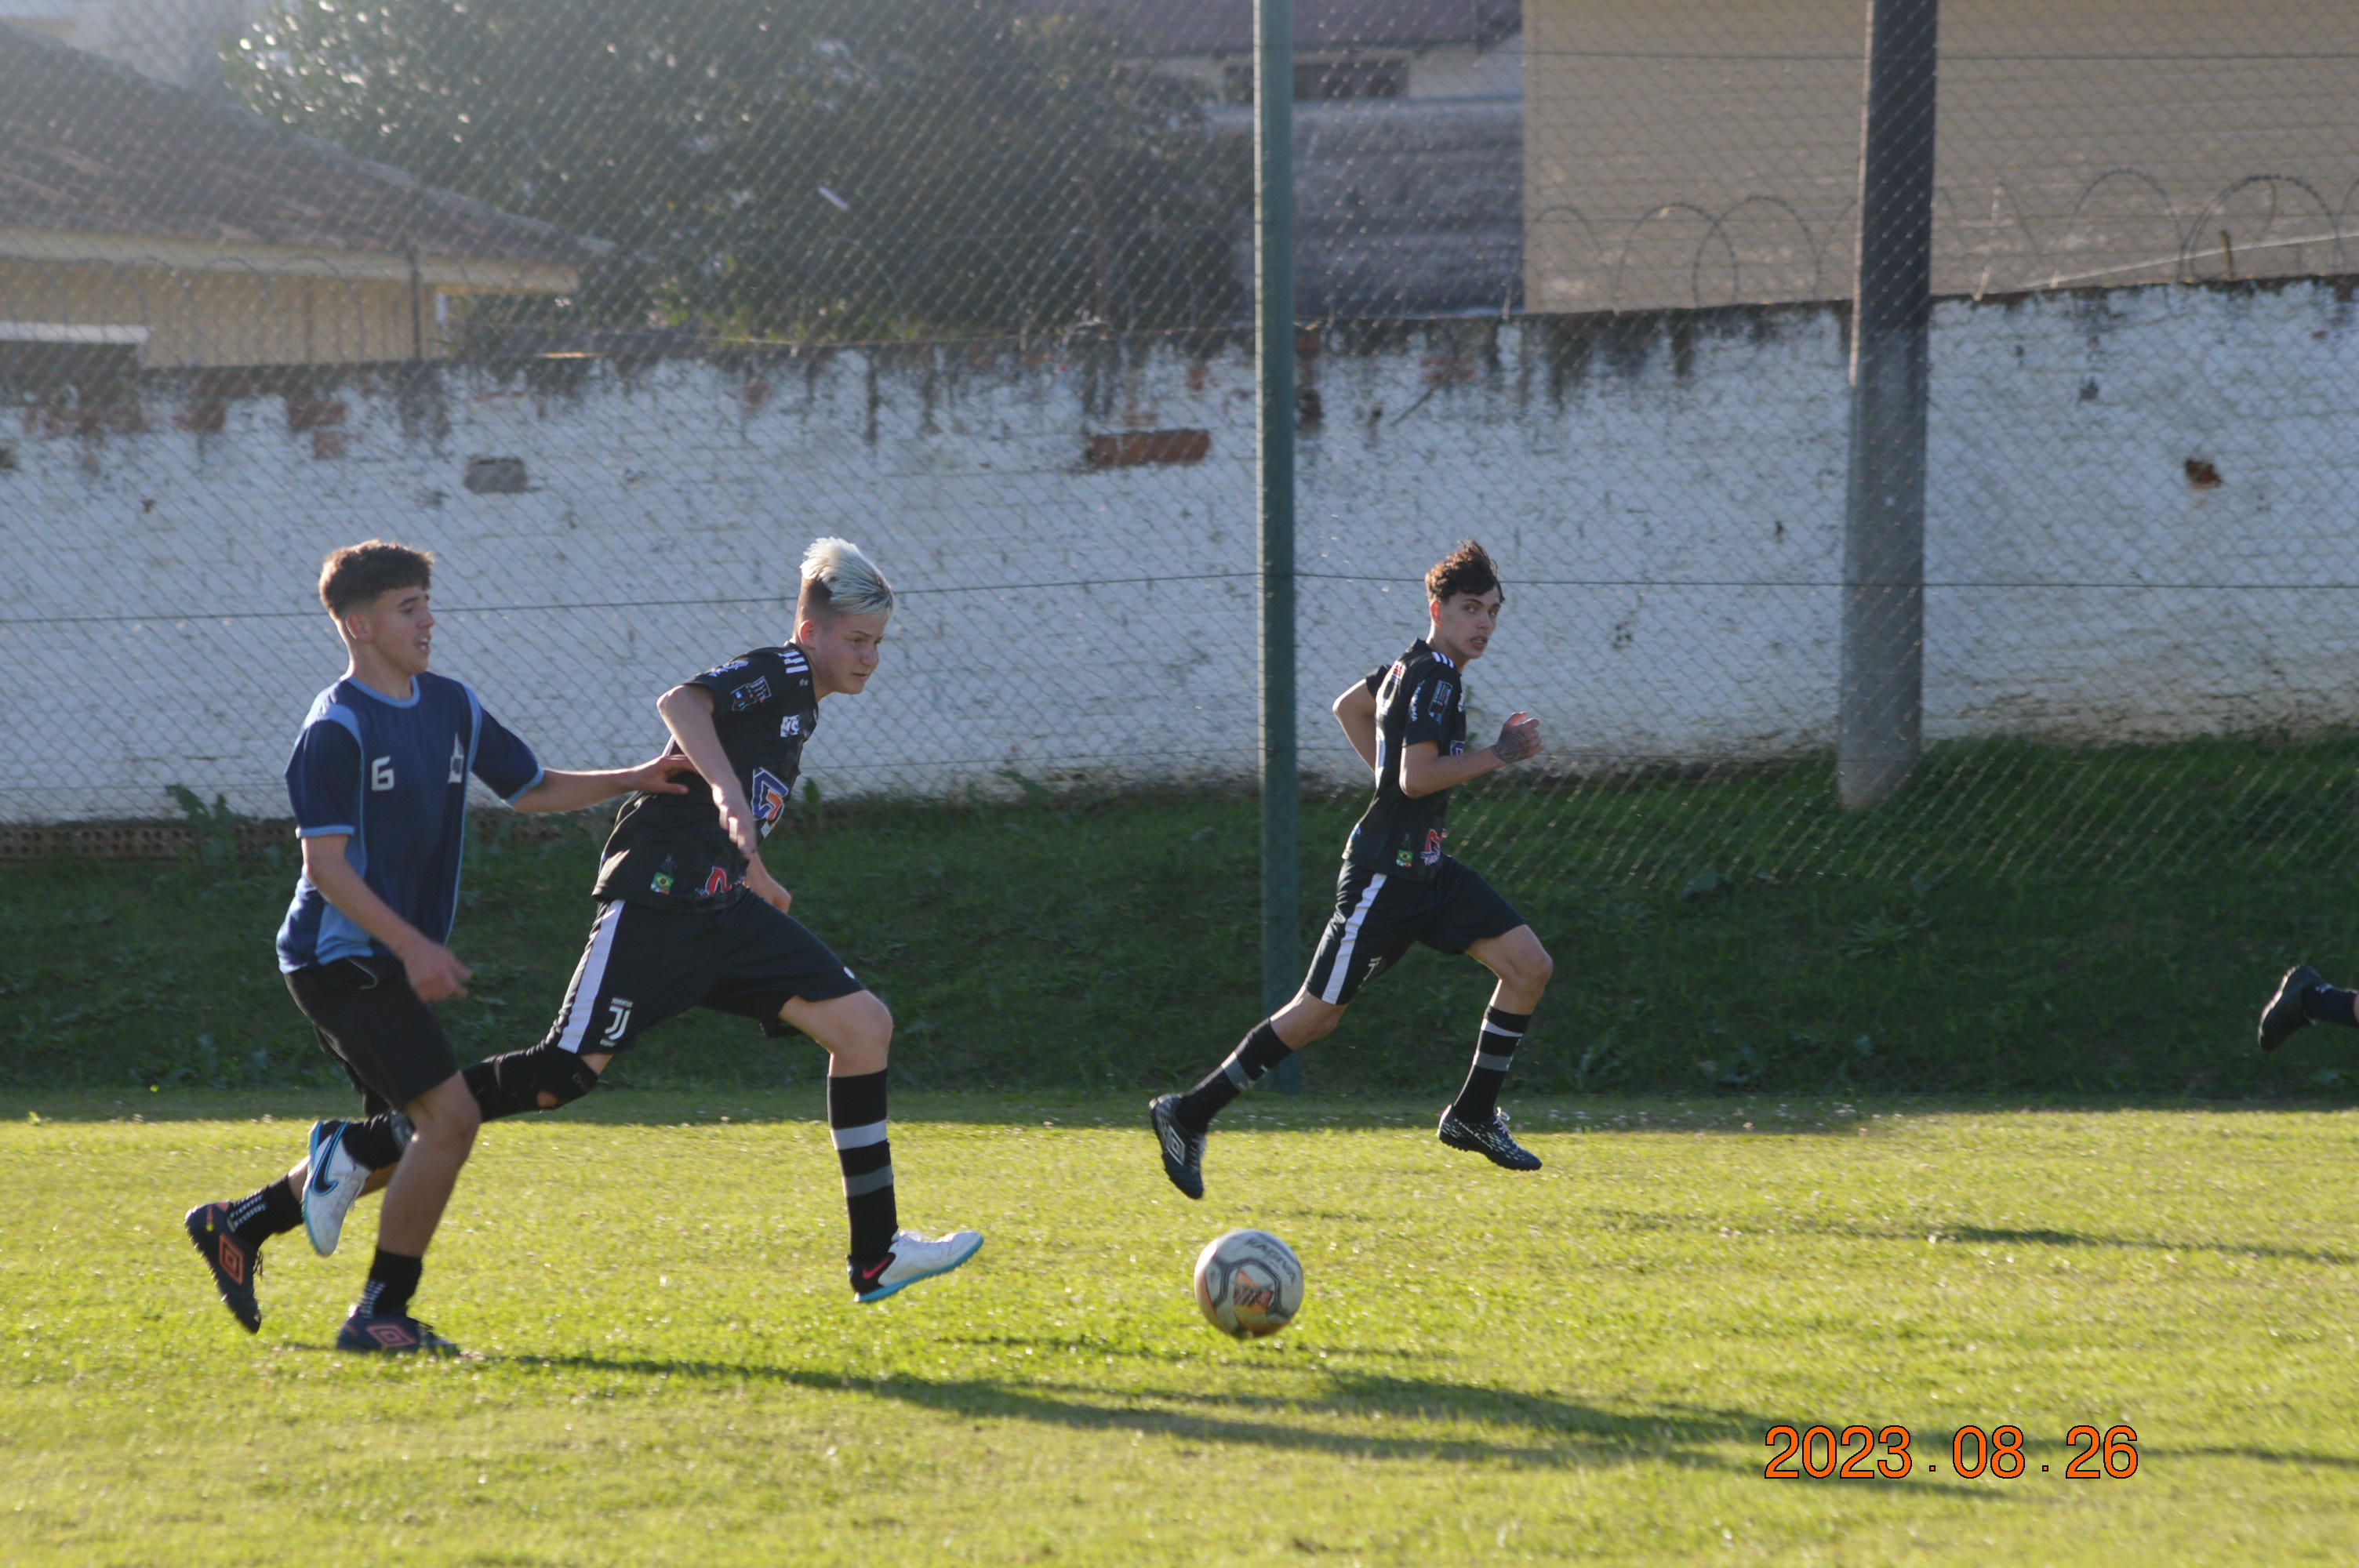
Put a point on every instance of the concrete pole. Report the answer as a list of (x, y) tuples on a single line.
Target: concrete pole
[(1281, 827), (1881, 727)]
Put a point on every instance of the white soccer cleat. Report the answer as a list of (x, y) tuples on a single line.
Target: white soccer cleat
[(331, 1188), (913, 1258)]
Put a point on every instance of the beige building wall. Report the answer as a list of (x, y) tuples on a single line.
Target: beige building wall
[(260, 310), (1705, 152)]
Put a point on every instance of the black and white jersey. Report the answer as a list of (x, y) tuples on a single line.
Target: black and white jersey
[(1420, 697), (670, 851)]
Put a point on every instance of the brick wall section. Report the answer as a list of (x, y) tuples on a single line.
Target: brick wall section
[(1665, 490)]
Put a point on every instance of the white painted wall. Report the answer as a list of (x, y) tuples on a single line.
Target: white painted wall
[(1670, 518)]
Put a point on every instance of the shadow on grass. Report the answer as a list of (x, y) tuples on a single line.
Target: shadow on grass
[(2068, 1239), (1628, 1220), (2265, 1456), (1556, 1432)]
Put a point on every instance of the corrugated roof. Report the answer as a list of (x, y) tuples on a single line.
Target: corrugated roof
[(1207, 27), (88, 145)]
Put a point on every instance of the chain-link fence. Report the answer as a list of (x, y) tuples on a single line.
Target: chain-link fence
[(616, 305)]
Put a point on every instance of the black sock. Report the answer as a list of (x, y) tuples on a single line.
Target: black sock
[(1256, 1055), (855, 1117), (393, 1279), (2321, 1003), (1495, 1052), (273, 1211), (378, 1141)]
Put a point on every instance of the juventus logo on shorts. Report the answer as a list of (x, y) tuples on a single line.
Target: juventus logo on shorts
[(620, 1006)]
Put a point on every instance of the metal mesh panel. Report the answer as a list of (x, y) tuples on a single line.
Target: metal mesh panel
[(616, 306)]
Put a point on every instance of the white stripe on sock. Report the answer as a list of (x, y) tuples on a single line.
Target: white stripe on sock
[(1334, 991), (874, 1181), (859, 1137), (1491, 1061), (1491, 1028)]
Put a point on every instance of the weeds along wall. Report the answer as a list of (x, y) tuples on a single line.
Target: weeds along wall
[(2137, 533)]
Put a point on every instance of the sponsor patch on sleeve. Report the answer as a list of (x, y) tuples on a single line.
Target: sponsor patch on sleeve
[(753, 694), (769, 800)]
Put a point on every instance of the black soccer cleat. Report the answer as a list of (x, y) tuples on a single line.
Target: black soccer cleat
[(233, 1267), (1489, 1139), (391, 1334), (2283, 1017), (1183, 1150)]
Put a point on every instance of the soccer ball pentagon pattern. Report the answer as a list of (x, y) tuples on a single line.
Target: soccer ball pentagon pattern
[(1248, 1283)]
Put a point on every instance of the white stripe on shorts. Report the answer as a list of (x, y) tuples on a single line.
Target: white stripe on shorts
[(581, 998), (1351, 939)]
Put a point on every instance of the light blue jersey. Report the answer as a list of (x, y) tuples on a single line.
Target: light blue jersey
[(393, 776)]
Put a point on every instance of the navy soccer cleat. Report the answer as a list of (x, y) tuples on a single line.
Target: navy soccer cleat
[(1182, 1147), (1489, 1139), (2283, 1017), (233, 1267), (391, 1334)]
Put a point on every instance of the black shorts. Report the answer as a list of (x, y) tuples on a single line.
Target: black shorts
[(391, 1043), (645, 964), (1378, 914)]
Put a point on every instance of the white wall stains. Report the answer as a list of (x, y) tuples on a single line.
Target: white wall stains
[(1665, 491)]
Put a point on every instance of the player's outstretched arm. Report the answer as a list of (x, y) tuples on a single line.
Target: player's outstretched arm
[(1424, 771), (1355, 710), (434, 970), (563, 791)]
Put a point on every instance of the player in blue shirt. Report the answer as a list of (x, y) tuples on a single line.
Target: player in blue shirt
[(379, 782)]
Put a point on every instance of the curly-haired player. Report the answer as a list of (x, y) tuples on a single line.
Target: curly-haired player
[(1408, 721)]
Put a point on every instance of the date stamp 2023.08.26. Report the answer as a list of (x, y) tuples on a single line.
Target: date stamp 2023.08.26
[(1890, 1454)]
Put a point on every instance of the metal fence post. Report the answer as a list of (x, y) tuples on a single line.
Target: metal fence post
[(1273, 357), (1882, 720)]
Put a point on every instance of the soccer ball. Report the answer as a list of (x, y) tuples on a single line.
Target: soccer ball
[(1248, 1283)]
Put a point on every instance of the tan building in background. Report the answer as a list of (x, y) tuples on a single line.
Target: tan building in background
[(1706, 152), (153, 223)]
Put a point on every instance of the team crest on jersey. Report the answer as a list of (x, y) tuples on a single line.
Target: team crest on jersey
[(457, 761), (1432, 855), (753, 694), (769, 800), (716, 883)]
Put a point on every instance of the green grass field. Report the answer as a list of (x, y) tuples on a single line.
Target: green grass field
[(1575, 1365)]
